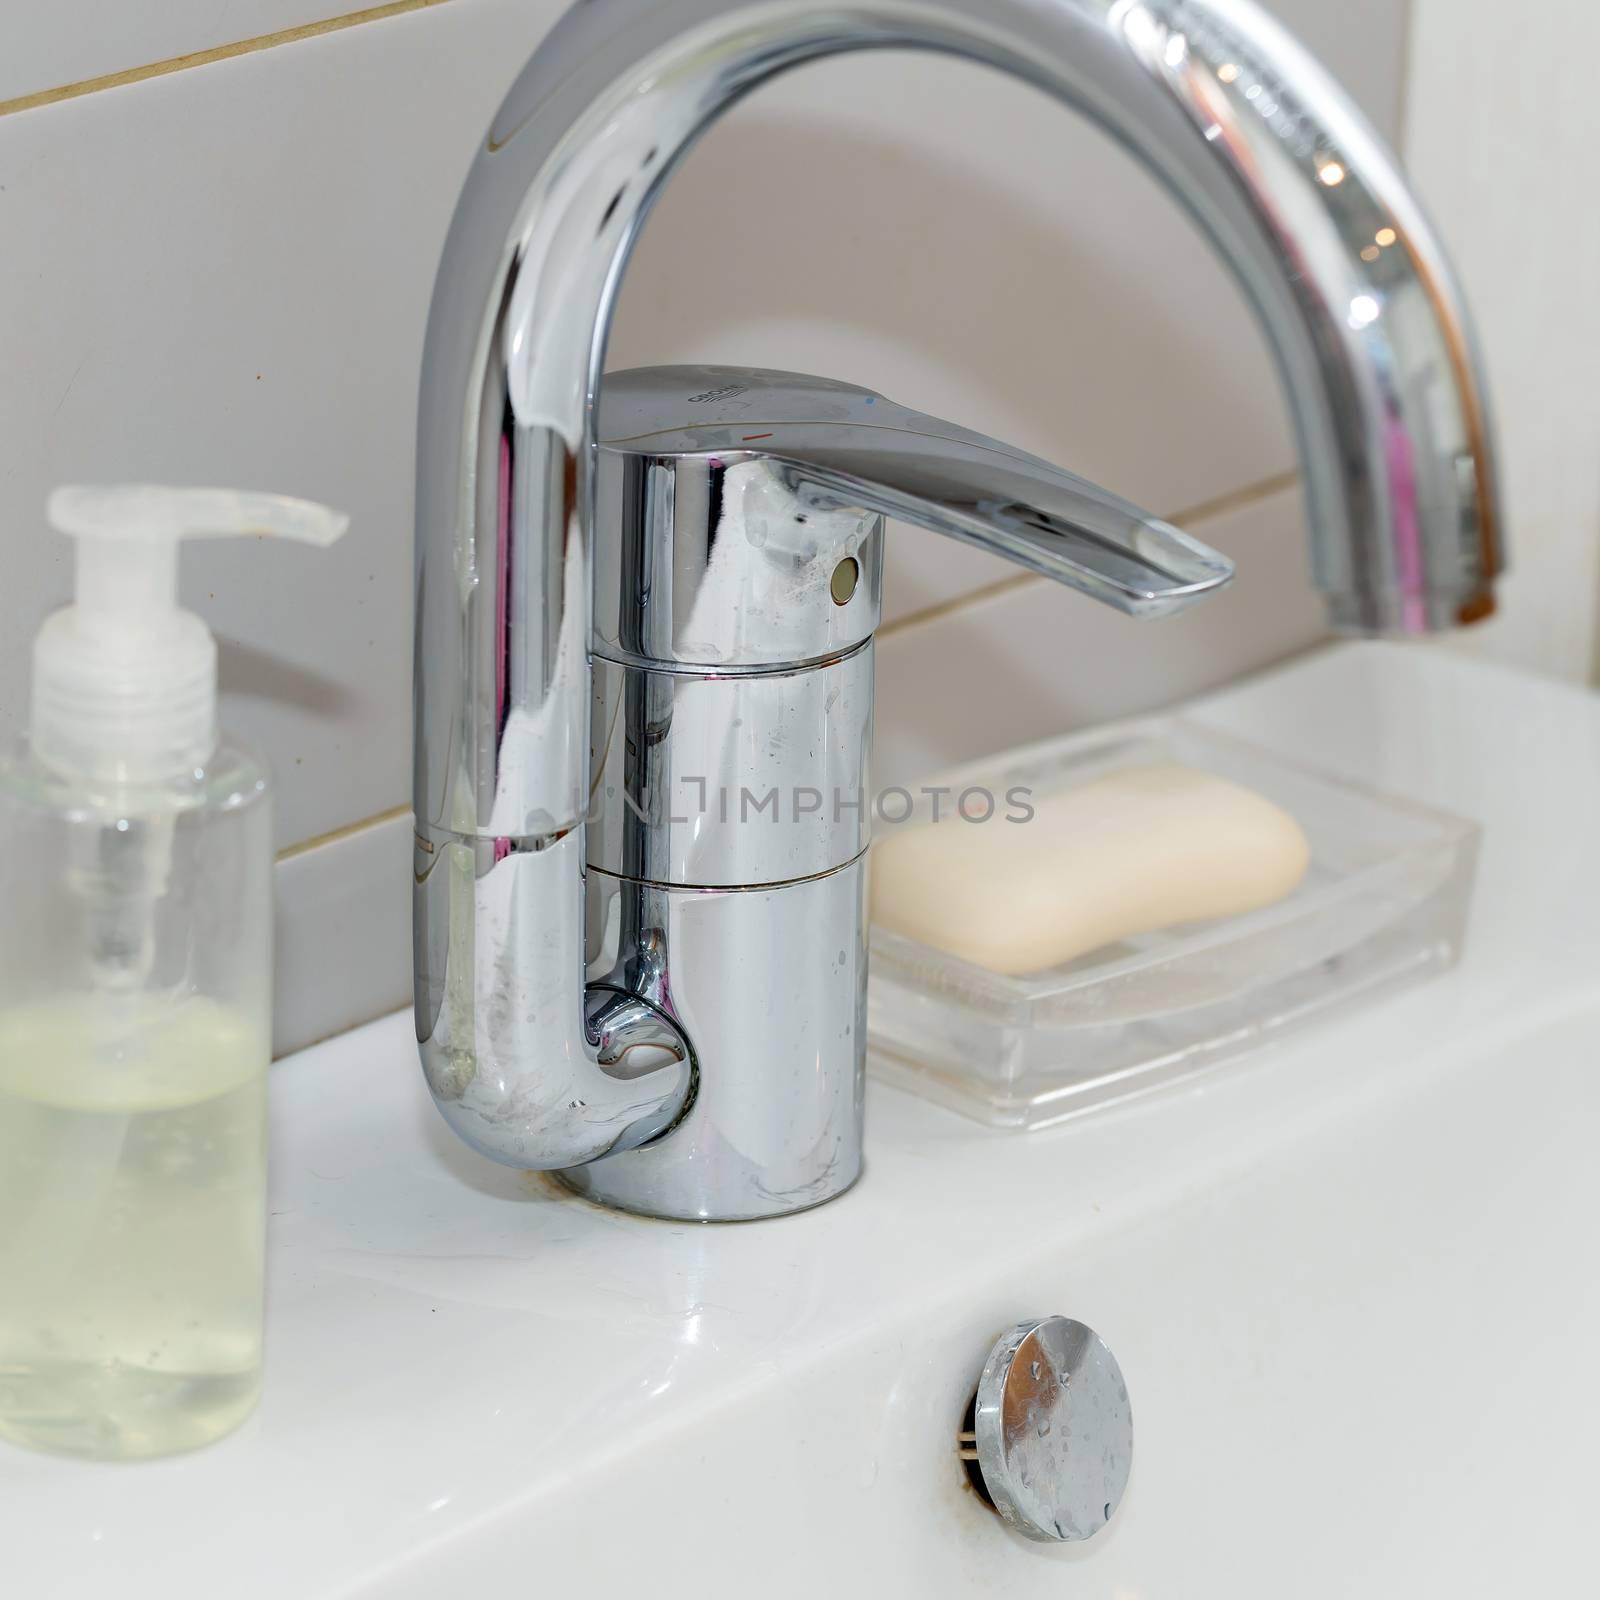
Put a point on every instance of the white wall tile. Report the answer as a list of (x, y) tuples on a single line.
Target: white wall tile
[(1039, 660), (49, 43), (1502, 119), (343, 936), (221, 275)]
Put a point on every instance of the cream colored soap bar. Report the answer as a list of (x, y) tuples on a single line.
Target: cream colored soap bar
[(1142, 848)]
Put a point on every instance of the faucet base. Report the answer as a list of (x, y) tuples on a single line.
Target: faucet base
[(770, 988), (579, 1181)]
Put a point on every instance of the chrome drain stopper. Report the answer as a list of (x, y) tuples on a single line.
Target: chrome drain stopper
[(1052, 1430)]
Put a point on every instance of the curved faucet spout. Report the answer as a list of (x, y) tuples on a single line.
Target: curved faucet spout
[(1246, 130)]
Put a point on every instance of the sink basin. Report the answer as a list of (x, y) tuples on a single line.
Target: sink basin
[(1353, 1291)]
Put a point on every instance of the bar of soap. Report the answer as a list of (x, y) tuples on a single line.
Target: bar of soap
[(1139, 849)]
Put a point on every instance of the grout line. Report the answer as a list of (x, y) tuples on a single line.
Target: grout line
[(1236, 499), (204, 58), (393, 814), (1408, 60), (957, 602), (1220, 505)]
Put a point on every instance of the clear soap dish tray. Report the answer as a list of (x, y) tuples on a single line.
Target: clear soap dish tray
[(1383, 903)]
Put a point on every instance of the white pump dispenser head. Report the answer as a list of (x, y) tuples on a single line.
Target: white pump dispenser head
[(125, 680)]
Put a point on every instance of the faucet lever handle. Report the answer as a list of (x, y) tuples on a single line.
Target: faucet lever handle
[(840, 446)]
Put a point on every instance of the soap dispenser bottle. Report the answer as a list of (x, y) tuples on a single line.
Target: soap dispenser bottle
[(135, 1001)]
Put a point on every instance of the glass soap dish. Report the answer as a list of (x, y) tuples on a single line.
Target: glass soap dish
[(1383, 902)]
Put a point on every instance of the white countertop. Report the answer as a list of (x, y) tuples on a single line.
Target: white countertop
[(1353, 1285)]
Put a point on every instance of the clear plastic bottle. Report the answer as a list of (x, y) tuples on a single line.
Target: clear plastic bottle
[(135, 1004)]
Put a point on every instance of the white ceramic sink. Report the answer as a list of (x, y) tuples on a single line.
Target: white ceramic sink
[(1352, 1283)]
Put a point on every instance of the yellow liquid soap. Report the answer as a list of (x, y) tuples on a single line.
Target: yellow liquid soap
[(132, 1222)]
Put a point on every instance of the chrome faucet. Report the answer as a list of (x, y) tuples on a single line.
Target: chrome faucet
[(646, 602)]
